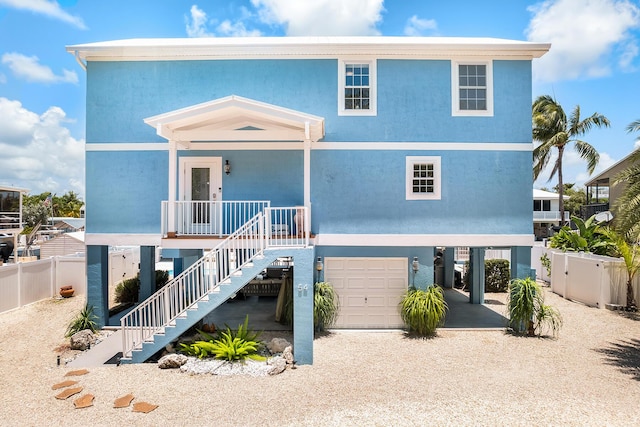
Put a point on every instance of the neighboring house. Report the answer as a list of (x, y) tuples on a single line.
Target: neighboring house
[(63, 244), (546, 213), (68, 225), (602, 187), (10, 219), (357, 154)]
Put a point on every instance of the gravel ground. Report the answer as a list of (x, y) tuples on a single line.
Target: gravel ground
[(590, 375)]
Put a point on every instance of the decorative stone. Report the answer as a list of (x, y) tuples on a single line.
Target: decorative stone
[(287, 355), (84, 401), (123, 401), (82, 340), (172, 361), (277, 345), (76, 373), (278, 365), (63, 384), (68, 392), (143, 407)]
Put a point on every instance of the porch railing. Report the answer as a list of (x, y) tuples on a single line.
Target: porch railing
[(549, 216), (10, 221), (263, 231), (208, 218)]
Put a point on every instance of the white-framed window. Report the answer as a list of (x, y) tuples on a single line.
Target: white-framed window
[(472, 88), (423, 178), (357, 88)]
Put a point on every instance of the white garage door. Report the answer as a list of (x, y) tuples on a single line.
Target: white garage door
[(370, 290)]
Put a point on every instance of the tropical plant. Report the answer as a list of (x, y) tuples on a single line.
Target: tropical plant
[(325, 306), (589, 237), (227, 345), (423, 311), (496, 275), (552, 129), (546, 263), (527, 311), (85, 319), (630, 253), (627, 206)]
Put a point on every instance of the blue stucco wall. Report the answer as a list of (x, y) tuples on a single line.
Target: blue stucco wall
[(359, 191), (414, 98), (124, 191)]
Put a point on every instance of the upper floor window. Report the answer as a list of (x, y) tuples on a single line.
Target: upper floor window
[(472, 88), (357, 88), (423, 178), (542, 205)]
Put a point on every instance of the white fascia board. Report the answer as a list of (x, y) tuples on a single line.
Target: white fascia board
[(111, 239), (414, 240), (305, 47)]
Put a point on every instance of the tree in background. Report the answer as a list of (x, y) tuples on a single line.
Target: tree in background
[(39, 207), (577, 198), (627, 206), (552, 129)]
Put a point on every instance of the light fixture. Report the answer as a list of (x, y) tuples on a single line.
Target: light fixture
[(415, 266), (227, 167), (319, 265)]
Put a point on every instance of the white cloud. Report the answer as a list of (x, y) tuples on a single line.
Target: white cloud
[(584, 34), (28, 68), (38, 151), (197, 23), (48, 8), (419, 27), (322, 17)]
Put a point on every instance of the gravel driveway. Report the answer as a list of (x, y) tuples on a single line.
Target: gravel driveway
[(590, 375)]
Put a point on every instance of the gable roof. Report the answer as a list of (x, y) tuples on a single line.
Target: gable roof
[(234, 118), (603, 177), (157, 49)]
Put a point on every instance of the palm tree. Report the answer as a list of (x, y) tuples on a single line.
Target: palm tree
[(627, 206), (552, 129), (630, 253)]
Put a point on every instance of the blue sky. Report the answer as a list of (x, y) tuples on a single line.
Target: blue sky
[(594, 61)]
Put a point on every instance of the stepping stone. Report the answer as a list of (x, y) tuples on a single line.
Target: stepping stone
[(63, 384), (84, 401), (68, 393), (123, 401), (143, 407), (76, 373)]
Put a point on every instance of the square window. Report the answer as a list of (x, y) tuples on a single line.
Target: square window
[(423, 178)]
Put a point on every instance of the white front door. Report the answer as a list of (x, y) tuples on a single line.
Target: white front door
[(201, 184)]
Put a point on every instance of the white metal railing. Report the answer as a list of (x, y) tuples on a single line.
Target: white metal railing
[(549, 216), (264, 230), (10, 221), (208, 218)]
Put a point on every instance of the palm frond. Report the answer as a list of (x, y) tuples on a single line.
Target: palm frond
[(588, 153)]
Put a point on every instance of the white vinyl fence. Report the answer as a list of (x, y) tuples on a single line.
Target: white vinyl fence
[(28, 282), (593, 280)]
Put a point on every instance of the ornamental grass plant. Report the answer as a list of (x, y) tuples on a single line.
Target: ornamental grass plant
[(423, 311)]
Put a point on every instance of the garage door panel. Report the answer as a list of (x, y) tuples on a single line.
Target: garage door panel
[(369, 290)]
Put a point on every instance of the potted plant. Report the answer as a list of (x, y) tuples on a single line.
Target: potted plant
[(423, 310)]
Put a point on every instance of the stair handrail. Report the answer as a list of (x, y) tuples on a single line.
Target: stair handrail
[(191, 286)]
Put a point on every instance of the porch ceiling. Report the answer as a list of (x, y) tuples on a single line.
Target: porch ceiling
[(235, 118)]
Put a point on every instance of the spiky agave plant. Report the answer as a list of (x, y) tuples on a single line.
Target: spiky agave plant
[(423, 311), (325, 306), (85, 319)]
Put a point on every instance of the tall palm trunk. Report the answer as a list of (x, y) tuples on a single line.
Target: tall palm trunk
[(560, 184), (631, 300)]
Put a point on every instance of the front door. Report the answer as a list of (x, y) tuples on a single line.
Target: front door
[(201, 193)]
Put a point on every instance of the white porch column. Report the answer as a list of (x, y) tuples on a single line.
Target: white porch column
[(173, 174), (307, 173)]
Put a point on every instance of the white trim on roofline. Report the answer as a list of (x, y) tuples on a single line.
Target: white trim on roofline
[(305, 47), (474, 240), (269, 146)]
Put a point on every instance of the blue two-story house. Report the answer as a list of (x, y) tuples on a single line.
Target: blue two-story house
[(360, 155)]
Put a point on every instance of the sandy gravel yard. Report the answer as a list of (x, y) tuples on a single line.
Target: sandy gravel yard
[(590, 375)]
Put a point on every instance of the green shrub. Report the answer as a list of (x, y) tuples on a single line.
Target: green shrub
[(496, 275), (325, 306), (546, 263), (423, 311), (227, 345), (128, 290), (86, 319), (527, 311)]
